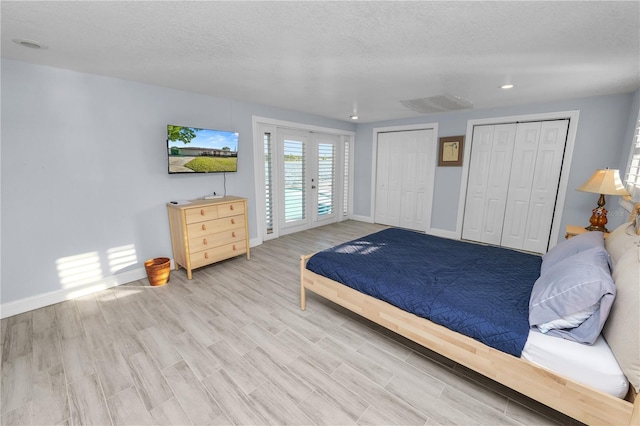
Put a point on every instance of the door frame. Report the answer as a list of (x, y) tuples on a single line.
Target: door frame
[(572, 116), (374, 165), (263, 124)]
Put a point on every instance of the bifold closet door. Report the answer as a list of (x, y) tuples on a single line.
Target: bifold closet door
[(513, 183), (404, 175), (388, 181), (533, 185), (488, 182)]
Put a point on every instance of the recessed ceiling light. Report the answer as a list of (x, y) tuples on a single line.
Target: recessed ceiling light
[(353, 117), (31, 44), (507, 86)]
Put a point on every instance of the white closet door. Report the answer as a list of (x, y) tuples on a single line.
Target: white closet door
[(520, 183), (537, 162), (388, 174), (553, 138), (488, 182), (415, 178), (405, 168)]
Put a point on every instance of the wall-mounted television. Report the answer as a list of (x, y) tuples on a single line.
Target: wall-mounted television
[(197, 150)]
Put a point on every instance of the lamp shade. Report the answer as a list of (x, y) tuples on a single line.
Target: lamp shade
[(604, 181)]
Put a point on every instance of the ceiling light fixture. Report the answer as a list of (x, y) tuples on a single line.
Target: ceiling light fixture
[(353, 117), (31, 44), (506, 86)]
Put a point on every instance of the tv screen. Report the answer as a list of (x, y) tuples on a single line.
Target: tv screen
[(195, 150)]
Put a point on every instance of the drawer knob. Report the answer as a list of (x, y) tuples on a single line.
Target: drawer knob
[(206, 255), (231, 207), (234, 247), (204, 241), (233, 221), (204, 227), (202, 212), (233, 234)]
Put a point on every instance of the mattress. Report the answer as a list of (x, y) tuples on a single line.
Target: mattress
[(592, 365), (479, 291)]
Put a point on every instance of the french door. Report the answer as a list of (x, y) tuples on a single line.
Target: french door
[(303, 176), (307, 179)]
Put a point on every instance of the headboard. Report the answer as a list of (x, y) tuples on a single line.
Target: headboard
[(622, 329), (635, 217)]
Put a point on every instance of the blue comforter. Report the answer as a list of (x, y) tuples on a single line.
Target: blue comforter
[(480, 291)]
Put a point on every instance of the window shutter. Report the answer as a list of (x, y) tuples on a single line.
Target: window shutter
[(345, 188), (632, 177), (294, 180), (326, 162), (268, 183)]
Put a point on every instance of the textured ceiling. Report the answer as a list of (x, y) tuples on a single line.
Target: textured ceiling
[(334, 58)]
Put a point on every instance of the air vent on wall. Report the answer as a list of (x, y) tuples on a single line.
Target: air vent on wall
[(439, 103)]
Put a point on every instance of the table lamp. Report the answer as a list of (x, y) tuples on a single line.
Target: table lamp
[(603, 182)]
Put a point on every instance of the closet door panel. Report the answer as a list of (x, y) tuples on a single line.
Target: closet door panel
[(382, 168), (553, 137), (384, 195), (415, 177), (520, 184), (408, 168), (498, 183), (474, 208)]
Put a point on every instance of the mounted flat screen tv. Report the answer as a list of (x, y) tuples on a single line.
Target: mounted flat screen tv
[(196, 150)]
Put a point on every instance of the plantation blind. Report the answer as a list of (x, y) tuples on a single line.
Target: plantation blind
[(268, 183), (294, 180), (345, 182), (326, 178), (632, 177)]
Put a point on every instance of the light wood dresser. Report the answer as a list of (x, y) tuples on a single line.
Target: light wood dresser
[(208, 231)]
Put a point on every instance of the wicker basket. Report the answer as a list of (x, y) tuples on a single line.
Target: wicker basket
[(158, 270)]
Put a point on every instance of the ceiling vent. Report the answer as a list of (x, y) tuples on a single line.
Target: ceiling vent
[(439, 103)]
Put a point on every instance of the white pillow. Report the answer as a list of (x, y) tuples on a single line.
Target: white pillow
[(620, 241), (569, 321), (568, 248), (573, 286)]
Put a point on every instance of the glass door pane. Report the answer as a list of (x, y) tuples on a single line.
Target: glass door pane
[(294, 181), (326, 180), (325, 184), (268, 182)]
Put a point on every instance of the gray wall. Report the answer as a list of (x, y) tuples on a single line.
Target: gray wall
[(84, 172), (84, 177), (603, 140)]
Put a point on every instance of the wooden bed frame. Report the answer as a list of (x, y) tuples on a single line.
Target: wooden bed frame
[(576, 400)]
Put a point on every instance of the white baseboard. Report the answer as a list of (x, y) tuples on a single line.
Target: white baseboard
[(367, 219), (452, 235), (34, 302)]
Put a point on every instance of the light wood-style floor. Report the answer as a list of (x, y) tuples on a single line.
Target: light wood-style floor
[(232, 347)]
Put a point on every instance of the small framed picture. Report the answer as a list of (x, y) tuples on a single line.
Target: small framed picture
[(451, 151)]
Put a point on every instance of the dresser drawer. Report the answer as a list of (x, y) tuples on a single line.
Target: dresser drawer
[(201, 214), (201, 229), (218, 239), (230, 209), (217, 254)]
